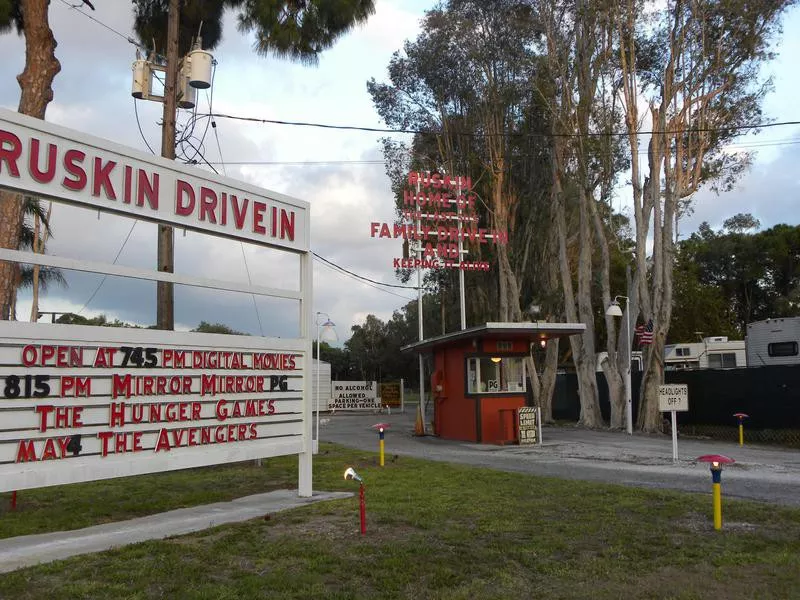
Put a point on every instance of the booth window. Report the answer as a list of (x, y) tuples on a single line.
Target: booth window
[(485, 376)]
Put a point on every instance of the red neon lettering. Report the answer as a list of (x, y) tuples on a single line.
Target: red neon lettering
[(147, 189), (25, 451), (71, 159), (208, 205), (104, 436), (258, 218), (43, 410), (127, 184), (10, 151), (29, 356), (33, 162), (101, 179), (287, 225), (239, 211), (183, 209), (163, 441)]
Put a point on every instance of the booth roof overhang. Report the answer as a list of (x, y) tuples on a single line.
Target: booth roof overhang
[(511, 331)]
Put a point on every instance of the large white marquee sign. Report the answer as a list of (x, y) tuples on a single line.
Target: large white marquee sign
[(84, 403), (43, 159)]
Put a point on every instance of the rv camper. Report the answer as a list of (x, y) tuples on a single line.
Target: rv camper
[(715, 352), (773, 342)]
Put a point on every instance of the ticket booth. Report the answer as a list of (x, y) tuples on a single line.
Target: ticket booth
[(479, 377)]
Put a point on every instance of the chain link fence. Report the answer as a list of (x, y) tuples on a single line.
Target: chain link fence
[(789, 438)]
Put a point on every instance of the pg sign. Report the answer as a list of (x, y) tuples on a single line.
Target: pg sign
[(674, 396)]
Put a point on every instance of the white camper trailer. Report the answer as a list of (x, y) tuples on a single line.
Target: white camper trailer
[(714, 352), (773, 342)]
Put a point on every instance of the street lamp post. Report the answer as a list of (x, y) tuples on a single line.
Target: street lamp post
[(328, 331), (614, 310)]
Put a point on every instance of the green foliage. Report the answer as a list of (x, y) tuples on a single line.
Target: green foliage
[(33, 208), (198, 17), (472, 65), (338, 358), (10, 16), (294, 29), (99, 321), (205, 327), (729, 278)]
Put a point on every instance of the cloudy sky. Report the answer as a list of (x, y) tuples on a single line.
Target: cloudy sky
[(338, 172)]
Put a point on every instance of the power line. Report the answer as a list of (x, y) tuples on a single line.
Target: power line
[(130, 40), (300, 163), (392, 285), (139, 125), (103, 280), (357, 278), (548, 134)]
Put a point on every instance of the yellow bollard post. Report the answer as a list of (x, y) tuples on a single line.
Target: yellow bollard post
[(381, 427), (741, 417), (716, 460), (716, 493), (380, 433)]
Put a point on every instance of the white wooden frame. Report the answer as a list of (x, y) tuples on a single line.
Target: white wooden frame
[(285, 432)]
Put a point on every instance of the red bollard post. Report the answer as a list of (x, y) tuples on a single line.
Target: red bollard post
[(14, 500), (363, 509), (350, 473)]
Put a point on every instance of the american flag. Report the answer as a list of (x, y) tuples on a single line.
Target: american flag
[(645, 333)]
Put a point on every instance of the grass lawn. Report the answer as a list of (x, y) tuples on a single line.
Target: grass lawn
[(433, 531)]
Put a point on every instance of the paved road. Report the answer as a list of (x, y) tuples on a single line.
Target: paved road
[(762, 473)]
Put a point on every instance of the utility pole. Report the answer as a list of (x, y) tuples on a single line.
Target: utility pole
[(165, 298)]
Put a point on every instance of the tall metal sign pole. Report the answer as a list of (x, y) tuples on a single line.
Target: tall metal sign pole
[(165, 298), (462, 298), (419, 255)]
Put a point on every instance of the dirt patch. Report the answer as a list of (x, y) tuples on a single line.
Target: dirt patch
[(698, 523), (336, 527)]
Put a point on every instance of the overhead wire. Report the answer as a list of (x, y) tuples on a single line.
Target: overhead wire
[(139, 125), (547, 134), (363, 280), (130, 40), (116, 258), (361, 277)]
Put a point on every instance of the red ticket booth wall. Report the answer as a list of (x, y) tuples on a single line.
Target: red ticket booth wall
[(476, 385)]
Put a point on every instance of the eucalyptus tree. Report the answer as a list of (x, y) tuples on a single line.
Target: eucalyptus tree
[(465, 80), (586, 161), (692, 68)]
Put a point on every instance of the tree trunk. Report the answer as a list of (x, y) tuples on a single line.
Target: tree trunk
[(35, 81), (35, 283), (587, 381), (40, 237), (548, 380), (583, 348)]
